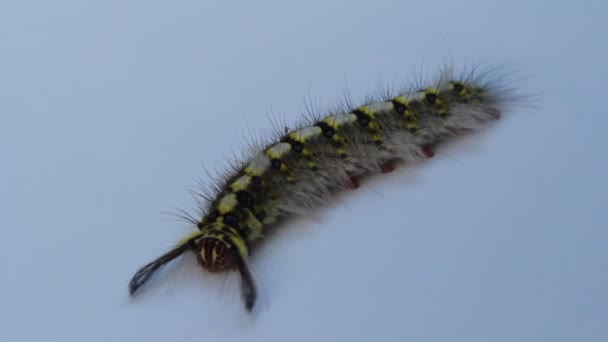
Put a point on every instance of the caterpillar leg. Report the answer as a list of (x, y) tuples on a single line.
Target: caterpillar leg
[(387, 167), (428, 151), (353, 183)]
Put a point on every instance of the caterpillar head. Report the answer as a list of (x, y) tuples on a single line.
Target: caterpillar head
[(216, 252)]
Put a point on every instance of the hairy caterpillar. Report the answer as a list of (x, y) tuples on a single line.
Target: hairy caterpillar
[(306, 166)]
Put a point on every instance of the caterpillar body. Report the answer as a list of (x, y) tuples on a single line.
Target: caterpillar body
[(306, 166)]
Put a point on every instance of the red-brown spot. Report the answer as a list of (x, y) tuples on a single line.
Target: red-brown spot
[(428, 151), (387, 167), (352, 183)]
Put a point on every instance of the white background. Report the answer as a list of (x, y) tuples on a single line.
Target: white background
[(109, 108)]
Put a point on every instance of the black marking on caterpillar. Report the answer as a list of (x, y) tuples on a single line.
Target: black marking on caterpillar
[(304, 167)]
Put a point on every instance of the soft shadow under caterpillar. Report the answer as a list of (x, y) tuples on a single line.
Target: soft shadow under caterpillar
[(307, 165)]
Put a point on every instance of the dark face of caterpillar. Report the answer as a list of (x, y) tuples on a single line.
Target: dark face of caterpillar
[(215, 255)]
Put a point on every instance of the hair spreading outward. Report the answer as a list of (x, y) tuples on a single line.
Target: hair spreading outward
[(304, 168)]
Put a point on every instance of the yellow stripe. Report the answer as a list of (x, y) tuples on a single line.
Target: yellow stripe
[(254, 225), (238, 241)]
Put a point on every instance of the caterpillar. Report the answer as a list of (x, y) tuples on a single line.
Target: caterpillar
[(304, 167)]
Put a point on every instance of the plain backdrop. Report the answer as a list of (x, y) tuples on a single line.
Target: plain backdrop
[(110, 109)]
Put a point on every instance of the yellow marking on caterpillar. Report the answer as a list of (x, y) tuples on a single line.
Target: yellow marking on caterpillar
[(418, 96), (241, 183), (373, 125), (367, 110), (402, 99), (340, 119), (464, 91), (439, 103), (278, 150), (339, 139), (376, 108), (227, 203), (468, 93), (372, 110), (409, 113), (382, 107), (202, 255), (213, 256), (190, 237), (215, 232), (335, 121), (302, 135), (307, 152), (258, 165), (254, 225), (238, 241)]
